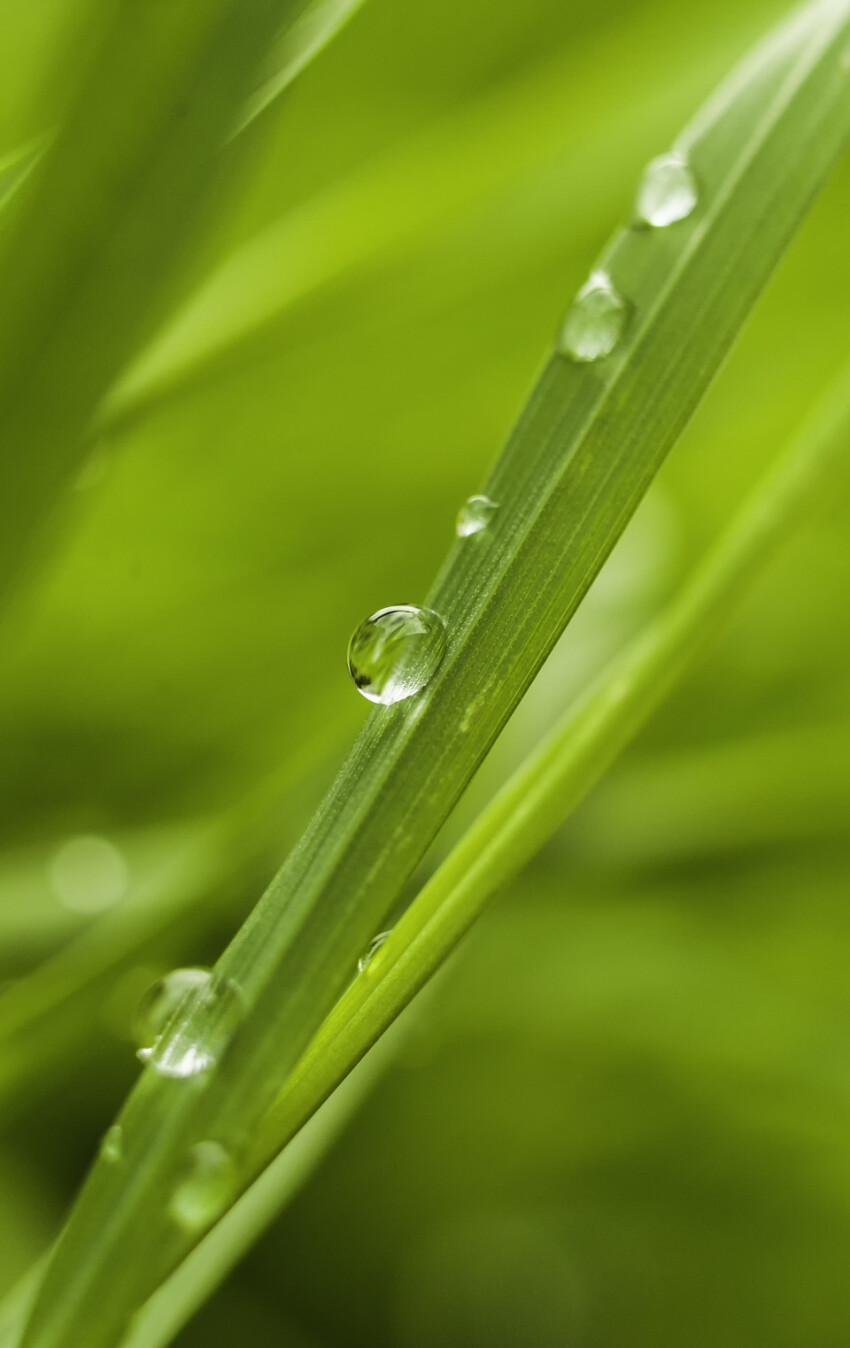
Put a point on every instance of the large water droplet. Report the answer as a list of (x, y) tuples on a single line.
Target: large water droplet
[(668, 191), (186, 1020), (595, 323), (88, 874), (475, 515), (210, 1185), (396, 652), (371, 951), (112, 1145)]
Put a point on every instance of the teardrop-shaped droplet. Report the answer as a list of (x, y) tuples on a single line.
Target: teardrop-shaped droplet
[(595, 323), (186, 1020), (475, 515), (112, 1145), (668, 191), (209, 1186), (371, 951), (396, 652)]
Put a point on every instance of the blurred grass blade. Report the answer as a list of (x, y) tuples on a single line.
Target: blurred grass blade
[(388, 207), (744, 794), (130, 176), (17, 165), (560, 772), (573, 472), (297, 46), (162, 1318), (181, 878)]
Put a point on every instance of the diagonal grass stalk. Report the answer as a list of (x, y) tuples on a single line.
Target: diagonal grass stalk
[(131, 173), (578, 463), (563, 769), (507, 834)]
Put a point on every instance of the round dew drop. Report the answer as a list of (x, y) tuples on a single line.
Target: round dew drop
[(396, 652), (371, 951), (209, 1186), (668, 191), (475, 515), (186, 1020), (595, 323)]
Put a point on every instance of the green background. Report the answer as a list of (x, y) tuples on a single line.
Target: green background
[(623, 1116)]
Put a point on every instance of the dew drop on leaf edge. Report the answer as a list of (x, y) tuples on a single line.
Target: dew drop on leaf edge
[(595, 323), (371, 951), (396, 652), (208, 1187), (475, 515), (668, 192), (187, 1044)]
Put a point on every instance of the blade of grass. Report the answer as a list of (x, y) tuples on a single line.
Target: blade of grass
[(574, 756), (578, 463), (130, 175), (507, 834), (162, 1318), (296, 47), (206, 867), (391, 206)]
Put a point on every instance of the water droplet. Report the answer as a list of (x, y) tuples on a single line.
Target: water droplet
[(475, 515), (668, 191), (89, 874), (112, 1145), (371, 951), (186, 1020), (210, 1185), (595, 323), (396, 652)]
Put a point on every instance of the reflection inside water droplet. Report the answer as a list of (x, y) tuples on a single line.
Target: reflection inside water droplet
[(595, 323), (475, 515), (209, 1186), (374, 946), (668, 191), (186, 1020), (396, 652)]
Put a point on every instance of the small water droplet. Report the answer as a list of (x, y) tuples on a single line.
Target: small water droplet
[(595, 323), (371, 951), (668, 191), (186, 1020), (89, 874), (112, 1145), (210, 1185), (396, 652), (475, 515)]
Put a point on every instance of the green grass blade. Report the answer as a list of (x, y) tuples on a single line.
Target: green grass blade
[(388, 207), (575, 469), (162, 1318), (296, 47), (560, 772), (130, 175)]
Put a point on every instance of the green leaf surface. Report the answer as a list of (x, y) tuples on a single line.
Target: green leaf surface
[(131, 176), (569, 762), (578, 463)]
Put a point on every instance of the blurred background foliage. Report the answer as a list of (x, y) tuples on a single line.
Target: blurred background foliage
[(624, 1119)]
